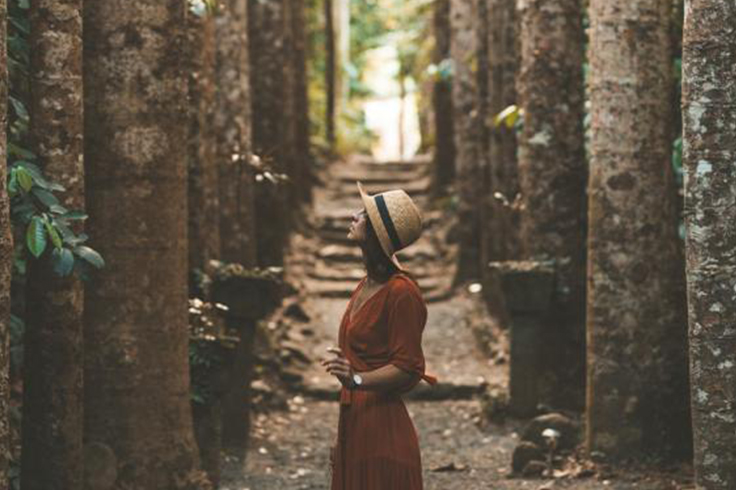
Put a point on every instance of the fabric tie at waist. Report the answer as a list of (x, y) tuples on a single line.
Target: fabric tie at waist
[(346, 395)]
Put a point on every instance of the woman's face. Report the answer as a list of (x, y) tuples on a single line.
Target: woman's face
[(357, 226)]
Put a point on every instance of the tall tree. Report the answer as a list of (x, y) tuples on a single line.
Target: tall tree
[(6, 258), (444, 147), (233, 126), (499, 232), (467, 120), (302, 148), (136, 371), (271, 75), (330, 73), (204, 171), (552, 174), (52, 456), (637, 355), (709, 100)]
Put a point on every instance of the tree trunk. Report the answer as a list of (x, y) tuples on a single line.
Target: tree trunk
[(552, 173), (269, 26), (52, 456), (136, 369), (233, 124), (500, 240), (467, 123), (204, 171), (302, 147), (637, 357), (709, 100), (444, 147), (330, 73), (6, 258)]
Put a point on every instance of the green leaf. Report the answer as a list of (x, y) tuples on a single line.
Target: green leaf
[(38, 177), (36, 236), (66, 232), (46, 198), (16, 150), (25, 179), (13, 182), (90, 256), (75, 215), (58, 209), (55, 237), (23, 212), (63, 259), (19, 107)]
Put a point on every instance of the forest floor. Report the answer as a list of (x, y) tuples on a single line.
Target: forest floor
[(461, 450)]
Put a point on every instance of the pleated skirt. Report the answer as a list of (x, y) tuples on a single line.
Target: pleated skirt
[(377, 445)]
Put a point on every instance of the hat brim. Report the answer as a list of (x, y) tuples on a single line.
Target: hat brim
[(369, 203)]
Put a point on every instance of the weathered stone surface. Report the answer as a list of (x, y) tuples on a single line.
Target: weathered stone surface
[(526, 285), (709, 99), (136, 373), (52, 383), (468, 132), (637, 383), (552, 176), (232, 124), (534, 469), (524, 453), (249, 294), (296, 311), (569, 431), (495, 404), (443, 165), (100, 467)]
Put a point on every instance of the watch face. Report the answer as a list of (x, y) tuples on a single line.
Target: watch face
[(358, 380)]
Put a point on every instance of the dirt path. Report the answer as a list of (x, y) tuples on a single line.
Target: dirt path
[(289, 449)]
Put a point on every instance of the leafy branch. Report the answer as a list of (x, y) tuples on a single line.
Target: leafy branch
[(34, 206)]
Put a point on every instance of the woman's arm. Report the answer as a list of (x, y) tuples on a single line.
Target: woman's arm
[(385, 378)]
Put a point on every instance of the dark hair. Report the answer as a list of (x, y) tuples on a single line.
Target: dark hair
[(377, 264)]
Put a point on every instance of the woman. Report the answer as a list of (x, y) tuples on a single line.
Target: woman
[(380, 354)]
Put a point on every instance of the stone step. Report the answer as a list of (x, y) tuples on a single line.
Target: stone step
[(415, 187), (421, 250), (335, 236), (322, 271), (345, 214), (335, 227), (433, 288), (364, 160), (383, 179)]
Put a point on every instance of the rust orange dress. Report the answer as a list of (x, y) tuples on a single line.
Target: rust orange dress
[(377, 446)]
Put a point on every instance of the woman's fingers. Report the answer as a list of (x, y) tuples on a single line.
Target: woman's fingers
[(341, 367), (339, 372), (336, 362), (337, 367), (336, 351)]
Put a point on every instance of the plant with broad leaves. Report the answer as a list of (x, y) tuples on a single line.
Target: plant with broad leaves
[(33, 204), (47, 224)]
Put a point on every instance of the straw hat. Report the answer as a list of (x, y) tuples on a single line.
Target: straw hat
[(396, 219)]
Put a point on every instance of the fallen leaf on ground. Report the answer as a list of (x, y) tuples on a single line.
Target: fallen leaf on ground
[(450, 467)]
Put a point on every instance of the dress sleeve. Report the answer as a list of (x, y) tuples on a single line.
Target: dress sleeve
[(406, 319)]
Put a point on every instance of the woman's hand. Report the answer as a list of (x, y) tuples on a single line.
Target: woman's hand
[(339, 367)]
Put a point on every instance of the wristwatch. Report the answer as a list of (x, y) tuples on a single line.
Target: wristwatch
[(357, 381)]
